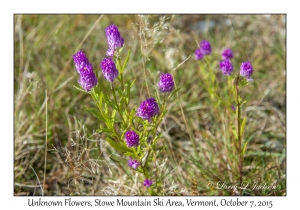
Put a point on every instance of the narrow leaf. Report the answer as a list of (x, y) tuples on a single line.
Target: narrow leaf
[(125, 62), (80, 89), (117, 146), (243, 126), (96, 113), (100, 99), (173, 93), (244, 148)]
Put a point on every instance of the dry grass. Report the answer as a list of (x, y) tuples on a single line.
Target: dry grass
[(196, 143)]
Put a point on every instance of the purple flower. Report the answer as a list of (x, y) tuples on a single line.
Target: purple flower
[(148, 109), (133, 163), (198, 54), (114, 39), (80, 60), (109, 69), (205, 47), (233, 108), (132, 139), (87, 78), (147, 183), (227, 54), (166, 83), (226, 67), (246, 70)]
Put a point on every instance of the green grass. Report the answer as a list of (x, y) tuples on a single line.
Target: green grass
[(197, 146)]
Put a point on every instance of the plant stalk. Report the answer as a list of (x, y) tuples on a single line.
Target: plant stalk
[(238, 116)]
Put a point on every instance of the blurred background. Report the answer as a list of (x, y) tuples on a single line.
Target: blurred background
[(196, 146)]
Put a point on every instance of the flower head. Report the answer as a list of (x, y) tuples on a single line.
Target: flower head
[(132, 139), (80, 60), (198, 54), (109, 69), (114, 39), (205, 47), (233, 108), (246, 70), (226, 67), (166, 83), (148, 109), (87, 78), (133, 163), (147, 183), (227, 54)]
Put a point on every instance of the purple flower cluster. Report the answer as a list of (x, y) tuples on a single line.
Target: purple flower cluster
[(133, 163), (132, 139), (166, 83), (80, 60), (109, 69), (246, 70), (87, 77), (226, 67), (114, 39), (147, 183), (205, 49), (148, 109), (198, 54), (227, 54)]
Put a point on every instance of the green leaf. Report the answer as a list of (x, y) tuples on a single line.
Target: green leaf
[(125, 62), (106, 109), (100, 99), (94, 94), (119, 91), (156, 138), (128, 91), (243, 126), (96, 113), (131, 154), (243, 102), (234, 131), (119, 66), (109, 102), (117, 146), (80, 89), (173, 93), (104, 130), (113, 114), (244, 148)]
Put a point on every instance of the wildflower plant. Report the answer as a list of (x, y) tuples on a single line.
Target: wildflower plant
[(130, 131), (236, 81), (239, 80)]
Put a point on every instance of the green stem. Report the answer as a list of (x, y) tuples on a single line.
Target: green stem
[(238, 116), (117, 104), (150, 145)]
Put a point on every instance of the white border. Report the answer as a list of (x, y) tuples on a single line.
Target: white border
[(154, 6)]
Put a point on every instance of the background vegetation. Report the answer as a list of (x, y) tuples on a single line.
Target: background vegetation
[(50, 121)]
